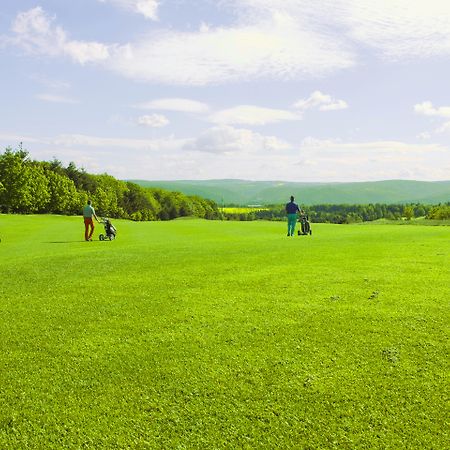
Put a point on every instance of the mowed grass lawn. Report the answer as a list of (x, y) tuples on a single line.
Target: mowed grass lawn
[(198, 334)]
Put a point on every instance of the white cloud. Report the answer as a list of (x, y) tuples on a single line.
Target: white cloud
[(334, 105), (376, 146), (175, 104), (377, 160), (230, 140), (425, 135), (317, 160), (427, 109), (35, 32), (226, 152), (11, 140), (396, 29), (278, 47), (52, 98), (44, 80), (252, 115), (204, 27), (399, 29), (84, 52), (148, 8), (168, 143), (153, 120), (289, 40), (444, 128), (320, 101)]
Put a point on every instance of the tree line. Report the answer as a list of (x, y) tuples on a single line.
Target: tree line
[(47, 187), (29, 186), (340, 214)]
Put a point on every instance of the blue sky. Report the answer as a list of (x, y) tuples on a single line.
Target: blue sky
[(330, 90)]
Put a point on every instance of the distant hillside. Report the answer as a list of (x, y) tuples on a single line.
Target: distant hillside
[(242, 192)]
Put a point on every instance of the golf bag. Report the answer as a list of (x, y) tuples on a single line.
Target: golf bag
[(305, 226), (110, 230)]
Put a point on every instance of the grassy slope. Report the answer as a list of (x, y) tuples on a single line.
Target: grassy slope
[(195, 334), (274, 192)]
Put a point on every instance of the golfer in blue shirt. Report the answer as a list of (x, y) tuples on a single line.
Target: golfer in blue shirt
[(291, 211)]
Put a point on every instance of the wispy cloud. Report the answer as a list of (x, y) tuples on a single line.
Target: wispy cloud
[(148, 8), (257, 115), (399, 29), (11, 140), (374, 160), (76, 140), (252, 115), (240, 153), (320, 101), (50, 83), (444, 128), (278, 47), (380, 147), (427, 109), (175, 104), (52, 98), (167, 143), (269, 39), (153, 120), (424, 136)]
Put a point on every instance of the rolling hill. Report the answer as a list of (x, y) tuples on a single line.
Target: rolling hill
[(244, 192)]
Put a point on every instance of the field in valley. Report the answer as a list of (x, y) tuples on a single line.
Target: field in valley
[(212, 335)]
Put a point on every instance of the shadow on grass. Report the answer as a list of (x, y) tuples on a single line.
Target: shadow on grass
[(68, 242)]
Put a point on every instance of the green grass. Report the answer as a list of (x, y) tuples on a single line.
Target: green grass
[(223, 335)]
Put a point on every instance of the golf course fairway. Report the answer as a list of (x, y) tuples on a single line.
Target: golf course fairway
[(195, 334)]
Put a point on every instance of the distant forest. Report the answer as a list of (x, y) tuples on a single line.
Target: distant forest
[(245, 192), (28, 186), (349, 213), (47, 187)]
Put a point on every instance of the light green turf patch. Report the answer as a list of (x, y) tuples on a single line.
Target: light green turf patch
[(418, 221), (242, 209), (197, 334)]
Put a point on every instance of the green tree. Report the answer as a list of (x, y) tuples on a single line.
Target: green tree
[(64, 197), (38, 192), (408, 212), (140, 203), (439, 212), (47, 187), (24, 182), (419, 211)]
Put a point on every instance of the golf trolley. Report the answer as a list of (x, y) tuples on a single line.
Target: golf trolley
[(110, 231), (304, 225)]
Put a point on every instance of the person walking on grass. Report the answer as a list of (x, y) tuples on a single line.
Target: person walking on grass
[(88, 213), (291, 210)]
